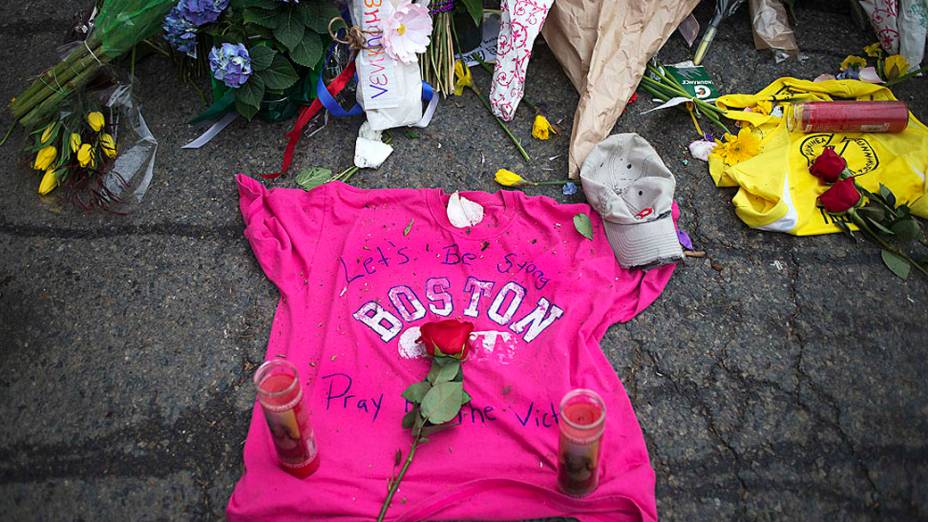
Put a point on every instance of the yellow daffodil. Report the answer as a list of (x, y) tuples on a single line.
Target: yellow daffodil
[(96, 121), (895, 66), (873, 50), (744, 147), (462, 77), (108, 145), (85, 155), (853, 62), (75, 141), (48, 133), (45, 157), (541, 128), (508, 178), (49, 182)]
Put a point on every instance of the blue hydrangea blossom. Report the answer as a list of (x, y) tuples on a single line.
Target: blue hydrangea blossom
[(200, 12), (230, 64), (180, 33)]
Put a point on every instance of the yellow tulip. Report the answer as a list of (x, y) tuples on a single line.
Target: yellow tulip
[(873, 50), (45, 157), (508, 178), (895, 66), (75, 141), (541, 127), (85, 155), (108, 145), (853, 62), (49, 182), (48, 133), (96, 121), (462, 77)]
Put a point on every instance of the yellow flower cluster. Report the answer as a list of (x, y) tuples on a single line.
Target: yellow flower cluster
[(735, 149), (874, 50), (853, 62), (88, 154)]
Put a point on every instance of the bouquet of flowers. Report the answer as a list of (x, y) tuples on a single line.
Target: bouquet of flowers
[(874, 214), (259, 50), (102, 153), (437, 66), (119, 26)]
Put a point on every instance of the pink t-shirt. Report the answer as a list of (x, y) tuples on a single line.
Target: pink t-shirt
[(359, 271)]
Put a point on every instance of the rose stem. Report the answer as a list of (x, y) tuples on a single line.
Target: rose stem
[(396, 483), (860, 222)]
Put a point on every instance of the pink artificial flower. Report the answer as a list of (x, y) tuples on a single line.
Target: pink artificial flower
[(406, 32)]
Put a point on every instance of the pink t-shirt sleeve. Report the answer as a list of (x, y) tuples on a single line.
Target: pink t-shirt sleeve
[(627, 292), (283, 228)]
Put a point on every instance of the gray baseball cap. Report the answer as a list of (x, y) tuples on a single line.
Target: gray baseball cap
[(626, 181)]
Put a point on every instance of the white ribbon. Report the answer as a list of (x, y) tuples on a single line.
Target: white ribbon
[(212, 131)]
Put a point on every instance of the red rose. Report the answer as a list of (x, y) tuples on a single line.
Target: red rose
[(840, 197), (451, 337), (828, 166)]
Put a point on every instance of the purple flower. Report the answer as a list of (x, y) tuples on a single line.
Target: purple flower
[(230, 64), (180, 33), (569, 188), (200, 12)]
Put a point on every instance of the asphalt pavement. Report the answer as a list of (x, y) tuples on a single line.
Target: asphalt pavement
[(778, 378)]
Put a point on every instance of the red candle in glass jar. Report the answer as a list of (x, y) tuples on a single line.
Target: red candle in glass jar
[(281, 399), (582, 422), (848, 116)]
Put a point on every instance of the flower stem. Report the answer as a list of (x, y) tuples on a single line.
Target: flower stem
[(417, 438), (862, 224), (508, 132), (905, 76), (551, 182)]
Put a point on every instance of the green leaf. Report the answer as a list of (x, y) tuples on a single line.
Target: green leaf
[(280, 75), (467, 398), (251, 93), (217, 109), (873, 212), (897, 264), (583, 225), (308, 52), (887, 195), (411, 134), (880, 228), (248, 111), (316, 15), (448, 371), (906, 229), (259, 4), (442, 403), (290, 29), (313, 177), (262, 56), (474, 9), (410, 418), (415, 392), (408, 227), (261, 17)]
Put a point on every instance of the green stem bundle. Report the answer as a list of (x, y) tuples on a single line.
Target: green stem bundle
[(667, 87)]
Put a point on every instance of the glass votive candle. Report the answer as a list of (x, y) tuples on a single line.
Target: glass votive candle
[(281, 398), (582, 420)]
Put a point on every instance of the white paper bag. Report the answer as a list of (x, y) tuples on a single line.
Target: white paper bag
[(389, 91)]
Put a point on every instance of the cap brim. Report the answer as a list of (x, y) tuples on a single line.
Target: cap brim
[(644, 244)]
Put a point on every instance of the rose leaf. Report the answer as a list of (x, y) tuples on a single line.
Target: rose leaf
[(442, 403), (415, 392)]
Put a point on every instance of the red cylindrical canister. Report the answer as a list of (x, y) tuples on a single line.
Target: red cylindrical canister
[(848, 116), (281, 398)]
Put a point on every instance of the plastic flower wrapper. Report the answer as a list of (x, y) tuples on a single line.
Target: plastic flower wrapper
[(124, 156), (406, 32), (723, 9), (230, 64), (201, 12), (180, 33)]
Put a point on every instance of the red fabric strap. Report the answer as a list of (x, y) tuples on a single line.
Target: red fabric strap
[(306, 114)]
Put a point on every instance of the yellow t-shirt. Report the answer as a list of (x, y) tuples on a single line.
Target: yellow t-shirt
[(778, 193)]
